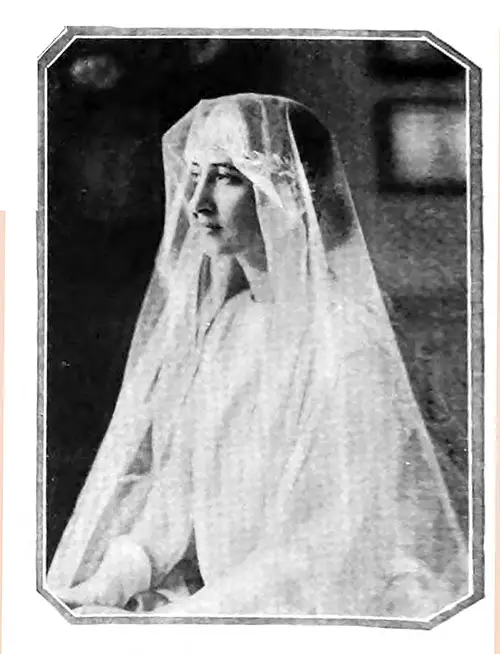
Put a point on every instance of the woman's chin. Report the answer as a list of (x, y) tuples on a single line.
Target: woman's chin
[(216, 247)]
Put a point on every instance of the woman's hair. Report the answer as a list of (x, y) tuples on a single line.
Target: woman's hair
[(318, 158)]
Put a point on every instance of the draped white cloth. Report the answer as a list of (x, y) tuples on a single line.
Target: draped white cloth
[(278, 433)]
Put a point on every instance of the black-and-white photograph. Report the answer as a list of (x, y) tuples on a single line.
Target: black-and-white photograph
[(260, 372)]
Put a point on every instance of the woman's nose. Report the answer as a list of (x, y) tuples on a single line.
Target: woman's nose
[(203, 198)]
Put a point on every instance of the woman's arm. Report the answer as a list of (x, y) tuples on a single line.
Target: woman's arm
[(154, 543)]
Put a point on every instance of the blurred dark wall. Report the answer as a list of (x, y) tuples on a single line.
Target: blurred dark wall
[(417, 241), (106, 218)]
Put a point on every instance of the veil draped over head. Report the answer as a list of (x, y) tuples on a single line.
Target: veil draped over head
[(355, 504)]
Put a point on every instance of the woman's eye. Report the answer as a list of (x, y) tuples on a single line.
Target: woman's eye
[(229, 176)]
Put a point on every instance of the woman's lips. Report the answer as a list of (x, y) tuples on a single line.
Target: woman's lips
[(211, 227)]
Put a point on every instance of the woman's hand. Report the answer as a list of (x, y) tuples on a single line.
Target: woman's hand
[(90, 592), (124, 572)]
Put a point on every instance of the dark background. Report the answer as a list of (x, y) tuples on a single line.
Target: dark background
[(110, 101)]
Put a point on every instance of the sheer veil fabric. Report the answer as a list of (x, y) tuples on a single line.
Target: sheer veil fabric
[(280, 435)]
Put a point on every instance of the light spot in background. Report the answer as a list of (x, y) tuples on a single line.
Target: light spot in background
[(99, 71), (429, 145), (204, 51), (413, 51), (409, 50)]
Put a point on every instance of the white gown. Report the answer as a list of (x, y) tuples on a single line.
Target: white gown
[(271, 535)]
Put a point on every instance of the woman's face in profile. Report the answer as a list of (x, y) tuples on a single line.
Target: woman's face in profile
[(222, 207)]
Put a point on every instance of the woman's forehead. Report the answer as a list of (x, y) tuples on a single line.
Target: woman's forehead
[(212, 159), (219, 135)]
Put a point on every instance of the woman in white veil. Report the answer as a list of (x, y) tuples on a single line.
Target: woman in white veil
[(266, 422)]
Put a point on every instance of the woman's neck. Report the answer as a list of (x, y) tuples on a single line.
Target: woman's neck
[(230, 275), (255, 270)]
